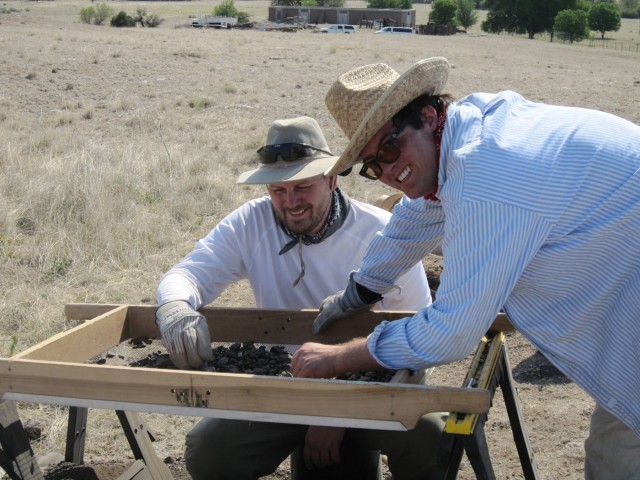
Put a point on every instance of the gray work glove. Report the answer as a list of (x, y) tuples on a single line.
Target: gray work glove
[(343, 304), (185, 334)]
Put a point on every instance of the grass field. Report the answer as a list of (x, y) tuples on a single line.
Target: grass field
[(119, 148)]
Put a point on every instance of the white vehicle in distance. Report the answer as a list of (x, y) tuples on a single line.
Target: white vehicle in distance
[(214, 22), (400, 30), (338, 29)]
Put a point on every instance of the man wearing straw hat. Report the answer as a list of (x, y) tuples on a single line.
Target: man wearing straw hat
[(529, 202), (294, 246)]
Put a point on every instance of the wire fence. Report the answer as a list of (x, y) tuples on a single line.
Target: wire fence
[(612, 45)]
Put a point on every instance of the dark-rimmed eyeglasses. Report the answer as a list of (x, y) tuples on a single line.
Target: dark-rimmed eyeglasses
[(387, 153), (288, 152)]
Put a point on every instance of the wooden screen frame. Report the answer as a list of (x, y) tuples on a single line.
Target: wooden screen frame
[(56, 371)]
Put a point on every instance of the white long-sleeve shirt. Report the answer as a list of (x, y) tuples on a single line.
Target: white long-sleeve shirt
[(539, 214), (245, 245)]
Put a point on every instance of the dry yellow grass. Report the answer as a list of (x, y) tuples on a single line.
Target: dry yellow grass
[(119, 148)]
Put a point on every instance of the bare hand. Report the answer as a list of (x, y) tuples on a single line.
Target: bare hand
[(322, 446), (315, 360)]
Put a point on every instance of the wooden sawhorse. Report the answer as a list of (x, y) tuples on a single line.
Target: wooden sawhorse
[(465, 433), (16, 456), (18, 460), (140, 438)]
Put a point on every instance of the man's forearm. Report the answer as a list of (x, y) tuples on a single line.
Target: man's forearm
[(354, 356), (315, 360)]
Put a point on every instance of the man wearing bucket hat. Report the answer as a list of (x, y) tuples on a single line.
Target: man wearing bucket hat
[(529, 201), (294, 246)]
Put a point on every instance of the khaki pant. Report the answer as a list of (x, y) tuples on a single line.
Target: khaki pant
[(612, 451), (239, 450)]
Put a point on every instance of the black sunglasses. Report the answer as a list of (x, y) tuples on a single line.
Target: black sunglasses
[(387, 153), (288, 152)]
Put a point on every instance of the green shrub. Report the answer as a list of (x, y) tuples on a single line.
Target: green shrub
[(153, 20), (228, 9), (103, 11), (13, 346), (122, 20), (87, 14), (243, 17), (4, 246), (59, 268), (225, 9), (147, 20)]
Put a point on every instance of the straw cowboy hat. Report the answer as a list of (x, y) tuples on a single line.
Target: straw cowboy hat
[(365, 98), (295, 150)]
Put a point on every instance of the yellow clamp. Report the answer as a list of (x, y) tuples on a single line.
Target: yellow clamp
[(479, 375)]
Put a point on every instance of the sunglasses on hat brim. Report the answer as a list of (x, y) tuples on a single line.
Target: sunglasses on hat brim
[(288, 152)]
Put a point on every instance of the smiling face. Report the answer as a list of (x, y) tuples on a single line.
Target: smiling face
[(415, 171), (303, 205)]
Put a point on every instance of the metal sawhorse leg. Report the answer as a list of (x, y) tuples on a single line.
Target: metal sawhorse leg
[(465, 433)]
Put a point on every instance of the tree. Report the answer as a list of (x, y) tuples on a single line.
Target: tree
[(466, 14), (571, 25), (604, 17), (630, 8), (498, 21), (519, 16), (587, 4), (389, 4), (319, 3), (442, 12)]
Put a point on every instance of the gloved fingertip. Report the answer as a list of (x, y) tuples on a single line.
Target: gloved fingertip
[(320, 325), (195, 366), (182, 365)]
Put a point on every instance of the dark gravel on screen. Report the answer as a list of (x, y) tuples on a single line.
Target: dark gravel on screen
[(246, 358)]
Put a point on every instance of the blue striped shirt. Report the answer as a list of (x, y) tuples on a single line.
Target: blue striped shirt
[(539, 215)]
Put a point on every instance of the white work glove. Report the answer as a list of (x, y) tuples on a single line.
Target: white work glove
[(342, 304), (185, 334)]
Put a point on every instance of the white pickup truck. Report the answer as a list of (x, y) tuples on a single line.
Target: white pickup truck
[(210, 21)]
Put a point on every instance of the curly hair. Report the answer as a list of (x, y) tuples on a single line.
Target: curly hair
[(412, 112)]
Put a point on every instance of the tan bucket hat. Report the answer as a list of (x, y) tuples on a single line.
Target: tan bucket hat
[(365, 98), (295, 150)]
